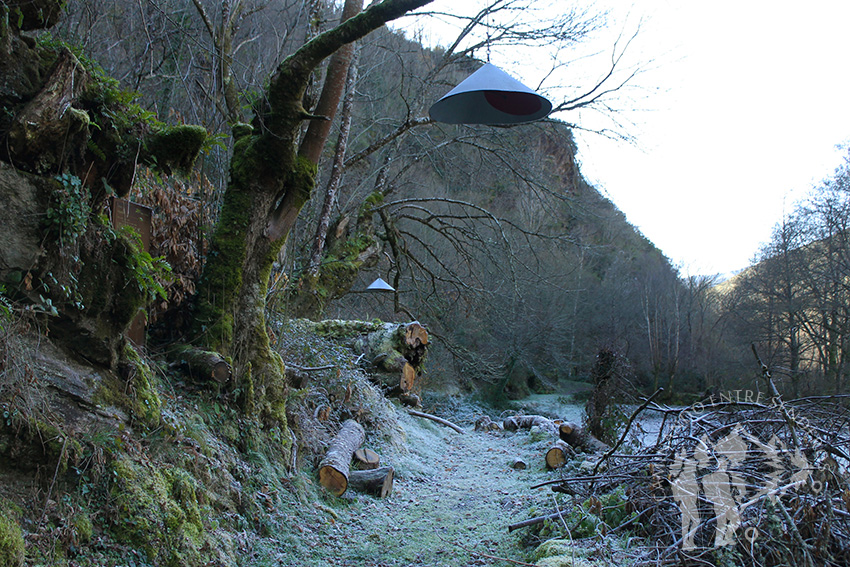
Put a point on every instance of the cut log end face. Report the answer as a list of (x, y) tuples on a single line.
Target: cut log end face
[(415, 335), (408, 377), (333, 480), (556, 457)]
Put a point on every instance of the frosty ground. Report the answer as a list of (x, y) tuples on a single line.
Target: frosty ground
[(453, 499)]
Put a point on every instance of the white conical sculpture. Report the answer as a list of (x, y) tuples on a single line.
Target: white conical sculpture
[(490, 96), (380, 285)]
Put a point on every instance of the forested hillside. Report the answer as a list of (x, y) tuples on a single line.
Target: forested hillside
[(490, 235)]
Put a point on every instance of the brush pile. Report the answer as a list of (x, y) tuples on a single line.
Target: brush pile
[(755, 481)]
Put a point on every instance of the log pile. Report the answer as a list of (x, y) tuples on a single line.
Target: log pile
[(394, 351), (568, 438), (335, 470)]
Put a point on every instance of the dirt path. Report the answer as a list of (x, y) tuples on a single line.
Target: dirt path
[(454, 496)]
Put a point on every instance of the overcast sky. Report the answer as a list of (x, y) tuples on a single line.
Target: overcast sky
[(743, 106)]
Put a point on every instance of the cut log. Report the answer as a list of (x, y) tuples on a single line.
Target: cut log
[(334, 468), (578, 438), (415, 335), (376, 481), (204, 365), (366, 459), (518, 464), (408, 377), (439, 420), (558, 454), (527, 422)]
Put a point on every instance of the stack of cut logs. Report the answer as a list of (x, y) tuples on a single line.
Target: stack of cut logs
[(395, 351), (337, 474), (571, 437)]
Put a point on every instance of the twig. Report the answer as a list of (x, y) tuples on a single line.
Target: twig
[(583, 479), (765, 372), (310, 368), (439, 420), (53, 482), (625, 431)]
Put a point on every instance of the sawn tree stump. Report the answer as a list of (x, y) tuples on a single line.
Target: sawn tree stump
[(366, 459)]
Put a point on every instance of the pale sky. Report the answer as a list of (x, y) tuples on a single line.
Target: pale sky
[(758, 96), (739, 116)]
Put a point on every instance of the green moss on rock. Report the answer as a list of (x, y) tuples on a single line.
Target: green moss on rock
[(134, 391), (157, 511), (175, 147), (12, 551)]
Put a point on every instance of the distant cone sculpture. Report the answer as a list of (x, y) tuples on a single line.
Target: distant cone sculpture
[(380, 285), (490, 96)]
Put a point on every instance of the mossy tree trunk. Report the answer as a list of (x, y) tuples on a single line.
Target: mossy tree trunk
[(270, 181)]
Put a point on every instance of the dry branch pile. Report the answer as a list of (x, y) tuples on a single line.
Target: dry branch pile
[(759, 483)]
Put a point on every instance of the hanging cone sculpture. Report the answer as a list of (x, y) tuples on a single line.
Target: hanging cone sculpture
[(380, 285), (490, 96)]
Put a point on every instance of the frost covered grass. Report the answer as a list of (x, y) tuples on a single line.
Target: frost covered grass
[(454, 496), (453, 499)]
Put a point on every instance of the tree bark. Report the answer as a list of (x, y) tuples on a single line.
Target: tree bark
[(334, 470), (269, 184), (376, 481), (336, 174)]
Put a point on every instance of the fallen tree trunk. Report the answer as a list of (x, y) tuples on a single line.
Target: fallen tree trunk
[(578, 438), (439, 420), (334, 468), (558, 454), (376, 481)]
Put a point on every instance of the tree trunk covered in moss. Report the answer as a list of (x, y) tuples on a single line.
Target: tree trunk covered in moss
[(270, 183)]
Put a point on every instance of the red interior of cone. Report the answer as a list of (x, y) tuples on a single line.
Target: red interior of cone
[(513, 103)]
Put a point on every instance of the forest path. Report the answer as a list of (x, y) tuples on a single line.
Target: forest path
[(453, 498)]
